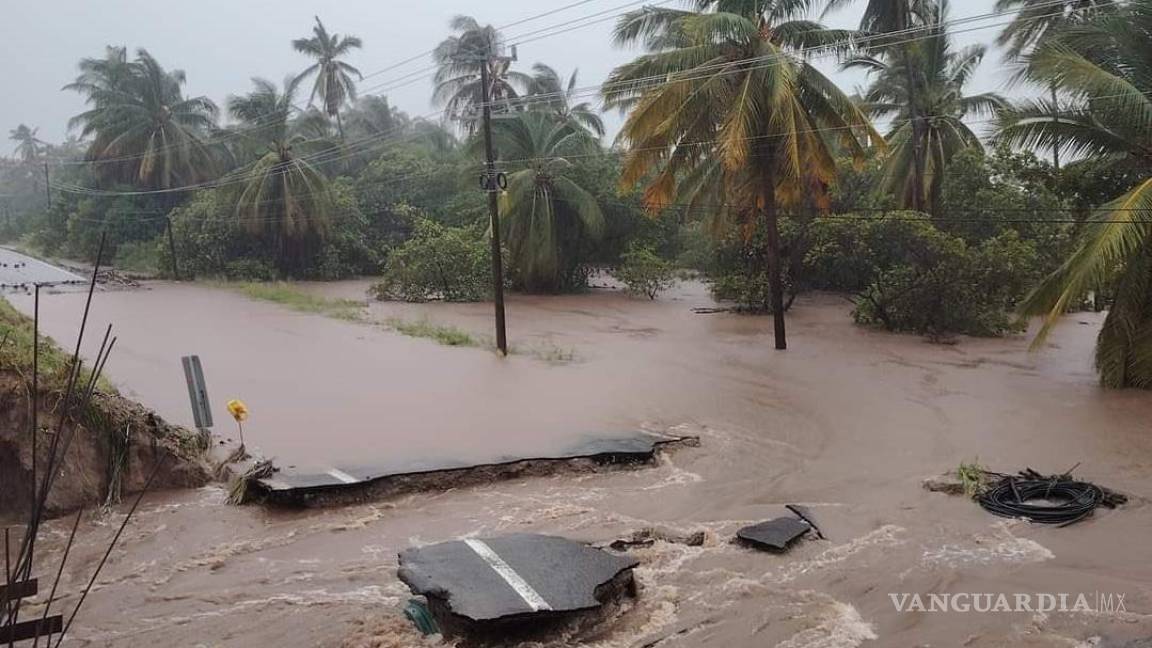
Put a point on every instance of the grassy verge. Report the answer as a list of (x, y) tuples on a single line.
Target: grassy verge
[(346, 309), (288, 296), (446, 335)]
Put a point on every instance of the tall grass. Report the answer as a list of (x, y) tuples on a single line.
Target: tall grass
[(446, 335), (291, 297)]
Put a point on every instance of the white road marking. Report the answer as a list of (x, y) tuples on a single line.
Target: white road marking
[(342, 476), (514, 580)]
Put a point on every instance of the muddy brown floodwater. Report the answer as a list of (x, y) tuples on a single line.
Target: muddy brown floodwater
[(848, 421)]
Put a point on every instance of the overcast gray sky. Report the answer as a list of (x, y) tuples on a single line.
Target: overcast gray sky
[(221, 44)]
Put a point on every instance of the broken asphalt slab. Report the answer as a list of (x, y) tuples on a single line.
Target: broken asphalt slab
[(774, 535), (289, 487), (514, 583)]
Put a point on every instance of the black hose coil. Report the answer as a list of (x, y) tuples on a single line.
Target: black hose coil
[(1058, 499)]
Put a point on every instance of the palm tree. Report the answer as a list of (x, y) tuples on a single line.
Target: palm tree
[(434, 137), (545, 213), (937, 104), (282, 197), (1038, 20), (460, 60), (1102, 67), (739, 119), (103, 75), (885, 25), (334, 84), (145, 131), (373, 116), (29, 148), (553, 94)]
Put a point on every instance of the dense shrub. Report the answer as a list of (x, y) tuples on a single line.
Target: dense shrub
[(910, 276), (739, 271), (643, 272), (438, 262), (211, 242), (987, 195), (696, 249)]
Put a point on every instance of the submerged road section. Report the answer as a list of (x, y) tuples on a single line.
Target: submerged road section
[(395, 475), (20, 271)]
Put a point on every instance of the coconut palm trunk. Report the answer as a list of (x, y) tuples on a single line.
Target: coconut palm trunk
[(775, 262)]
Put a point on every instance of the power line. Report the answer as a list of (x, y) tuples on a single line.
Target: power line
[(521, 21), (601, 87), (813, 51), (228, 135)]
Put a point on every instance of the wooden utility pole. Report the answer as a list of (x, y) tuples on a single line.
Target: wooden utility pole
[(172, 250), (491, 185), (47, 186), (1056, 115)]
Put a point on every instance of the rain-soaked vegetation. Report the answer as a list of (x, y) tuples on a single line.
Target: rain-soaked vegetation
[(939, 211)]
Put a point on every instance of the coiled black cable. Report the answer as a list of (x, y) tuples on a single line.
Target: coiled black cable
[(1058, 499)]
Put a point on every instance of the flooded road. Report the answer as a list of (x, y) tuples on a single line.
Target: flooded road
[(848, 421)]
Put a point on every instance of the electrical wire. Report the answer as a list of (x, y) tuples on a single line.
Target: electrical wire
[(599, 89), (234, 134), (336, 155)]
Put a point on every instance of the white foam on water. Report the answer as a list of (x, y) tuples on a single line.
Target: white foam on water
[(838, 625), (887, 536), (674, 475), (1000, 547), (372, 596)]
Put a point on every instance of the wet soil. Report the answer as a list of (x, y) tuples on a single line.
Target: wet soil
[(848, 421)]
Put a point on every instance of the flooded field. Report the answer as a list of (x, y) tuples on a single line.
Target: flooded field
[(848, 421)]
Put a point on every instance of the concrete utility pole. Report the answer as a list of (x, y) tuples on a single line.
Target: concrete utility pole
[(492, 184)]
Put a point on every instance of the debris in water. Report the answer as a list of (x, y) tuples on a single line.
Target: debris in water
[(774, 535), (515, 584), (649, 536), (418, 613), (1053, 499), (239, 491), (778, 534)]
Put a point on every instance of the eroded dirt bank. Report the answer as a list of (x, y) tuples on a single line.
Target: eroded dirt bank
[(109, 448), (848, 421), (114, 450)]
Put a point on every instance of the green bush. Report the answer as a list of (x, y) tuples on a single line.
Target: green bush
[(438, 262), (696, 247), (739, 271), (909, 276), (210, 242), (643, 272)]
